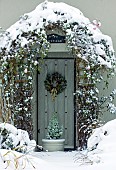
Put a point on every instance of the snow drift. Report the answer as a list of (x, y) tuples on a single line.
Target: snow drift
[(104, 138)]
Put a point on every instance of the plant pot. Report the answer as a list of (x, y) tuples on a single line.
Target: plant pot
[(52, 145)]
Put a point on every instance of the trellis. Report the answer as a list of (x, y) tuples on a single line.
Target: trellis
[(86, 111)]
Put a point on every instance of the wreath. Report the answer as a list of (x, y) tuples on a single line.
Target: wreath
[(55, 83)]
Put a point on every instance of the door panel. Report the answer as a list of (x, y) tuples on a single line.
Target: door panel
[(64, 102)]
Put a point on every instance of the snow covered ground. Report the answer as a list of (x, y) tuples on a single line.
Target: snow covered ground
[(102, 157), (61, 161)]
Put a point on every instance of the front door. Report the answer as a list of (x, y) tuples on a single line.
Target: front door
[(63, 103)]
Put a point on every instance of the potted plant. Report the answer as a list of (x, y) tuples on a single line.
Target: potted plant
[(54, 141)]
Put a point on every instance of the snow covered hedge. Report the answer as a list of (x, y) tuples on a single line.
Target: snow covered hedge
[(15, 139)]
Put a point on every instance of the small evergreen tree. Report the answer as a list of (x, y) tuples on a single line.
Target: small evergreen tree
[(54, 129)]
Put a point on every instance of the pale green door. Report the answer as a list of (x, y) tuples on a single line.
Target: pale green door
[(63, 104)]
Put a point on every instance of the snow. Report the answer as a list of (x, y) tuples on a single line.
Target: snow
[(9, 127), (103, 157), (50, 12), (19, 138), (101, 151), (104, 137)]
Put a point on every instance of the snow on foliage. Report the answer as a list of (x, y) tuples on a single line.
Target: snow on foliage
[(54, 129), (15, 139), (48, 13), (103, 138), (24, 45)]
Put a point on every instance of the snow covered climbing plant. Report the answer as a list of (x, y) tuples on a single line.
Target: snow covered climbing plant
[(24, 45)]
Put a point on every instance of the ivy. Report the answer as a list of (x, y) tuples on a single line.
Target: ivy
[(21, 56)]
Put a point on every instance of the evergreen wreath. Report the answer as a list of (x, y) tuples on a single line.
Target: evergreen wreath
[(55, 83)]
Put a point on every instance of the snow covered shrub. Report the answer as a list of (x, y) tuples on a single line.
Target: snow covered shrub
[(103, 138), (14, 139), (54, 129)]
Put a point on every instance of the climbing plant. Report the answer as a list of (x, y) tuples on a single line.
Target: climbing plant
[(18, 65), (23, 53), (89, 104)]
